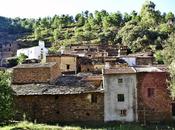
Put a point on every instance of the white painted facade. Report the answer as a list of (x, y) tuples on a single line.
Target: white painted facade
[(37, 52), (130, 60), (113, 109)]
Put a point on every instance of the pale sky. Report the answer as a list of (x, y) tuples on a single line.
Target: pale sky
[(44, 8)]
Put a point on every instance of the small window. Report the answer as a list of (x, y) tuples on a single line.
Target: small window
[(121, 97), (123, 112), (93, 98), (120, 81), (68, 67), (150, 92)]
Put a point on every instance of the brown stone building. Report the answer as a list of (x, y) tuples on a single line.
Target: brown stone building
[(67, 63), (35, 73), (154, 102), (70, 99)]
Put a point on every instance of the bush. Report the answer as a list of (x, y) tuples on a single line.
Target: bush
[(6, 98)]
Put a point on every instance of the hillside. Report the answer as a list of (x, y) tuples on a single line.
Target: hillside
[(143, 31)]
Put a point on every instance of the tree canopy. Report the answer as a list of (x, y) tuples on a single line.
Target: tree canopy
[(5, 96), (140, 31)]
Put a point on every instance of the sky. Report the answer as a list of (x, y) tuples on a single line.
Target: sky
[(44, 8)]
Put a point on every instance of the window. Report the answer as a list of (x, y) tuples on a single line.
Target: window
[(120, 80), (93, 98), (150, 92), (68, 67), (121, 97), (123, 112)]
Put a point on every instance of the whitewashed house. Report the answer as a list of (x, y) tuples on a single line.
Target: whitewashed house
[(38, 52), (120, 94)]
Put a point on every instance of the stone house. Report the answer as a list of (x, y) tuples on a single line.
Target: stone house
[(69, 99), (85, 64), (97, 50), (120, 95), (138, 60), (67, 63), (154, 102), (35, 73)]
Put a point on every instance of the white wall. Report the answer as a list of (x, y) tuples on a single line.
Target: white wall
[(112, 88), (34, 52), (130, 60)]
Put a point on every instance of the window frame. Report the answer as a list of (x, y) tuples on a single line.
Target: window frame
[(120, 80), (150, 92), (67, 66), (120, 97), (123, 113)]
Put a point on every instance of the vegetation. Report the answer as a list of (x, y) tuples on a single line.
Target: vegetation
[(21, 58), (144, 31), (5, 97), (30, 126), (169, 59), (147, 30)]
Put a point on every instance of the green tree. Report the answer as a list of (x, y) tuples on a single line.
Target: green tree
[(169, 16), (21, 58), (149, 16), (169, 59), (6, 99)]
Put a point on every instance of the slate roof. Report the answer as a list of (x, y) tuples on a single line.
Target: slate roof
[(120, 70), (151, 68), (35, 65), (64, 85)]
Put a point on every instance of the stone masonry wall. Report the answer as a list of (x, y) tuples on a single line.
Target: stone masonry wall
[(35, 75), (56, 59), (31, 75), (55, 108), (68, 60), (144, 61), (158, 106), (55, 72)]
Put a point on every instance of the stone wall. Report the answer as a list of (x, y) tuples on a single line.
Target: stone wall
[(55, 108), (86, 68), (144, 60), (35, 75), (55, 72), (70, 61), (156, 106), (56, 59)]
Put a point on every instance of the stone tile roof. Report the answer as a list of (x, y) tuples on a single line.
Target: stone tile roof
[(36, 65), (64, 85), (150, 68), (120, 70)]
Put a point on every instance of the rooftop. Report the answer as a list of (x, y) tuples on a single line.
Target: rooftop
[(120, 70), (64, 85), (36, 65), (150, 69)]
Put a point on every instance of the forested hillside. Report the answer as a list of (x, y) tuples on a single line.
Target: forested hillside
[(141, 31)]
